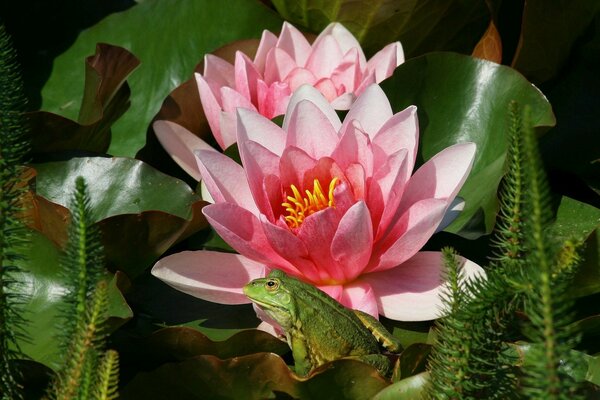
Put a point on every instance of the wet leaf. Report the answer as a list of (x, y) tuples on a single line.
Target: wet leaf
[(489, 46)]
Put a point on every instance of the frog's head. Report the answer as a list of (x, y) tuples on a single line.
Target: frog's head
[(273, 295)]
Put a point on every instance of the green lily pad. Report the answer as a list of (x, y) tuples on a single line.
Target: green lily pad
[(574, 220), (463, 99), (411, 388), (169, 38), (44, 285), (421, 26), (255, 376)]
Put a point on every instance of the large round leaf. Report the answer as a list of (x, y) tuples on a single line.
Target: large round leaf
[(116, 186), (463, 99), (44, 285), (169, 38)]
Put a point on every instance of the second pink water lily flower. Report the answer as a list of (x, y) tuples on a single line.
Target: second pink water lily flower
[(333, 203), (335, 64)]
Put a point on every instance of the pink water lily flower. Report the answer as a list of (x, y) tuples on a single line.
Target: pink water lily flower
[(333, 203)]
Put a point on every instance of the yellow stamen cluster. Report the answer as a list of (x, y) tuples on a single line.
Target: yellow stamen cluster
[(299, 207)]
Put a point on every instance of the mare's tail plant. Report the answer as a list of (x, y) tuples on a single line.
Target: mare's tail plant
[(14, 146), (470, 358), (88, 371)]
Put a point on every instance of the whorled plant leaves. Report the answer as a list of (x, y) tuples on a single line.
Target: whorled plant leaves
[(42, 281), (105, 99), (140, 210), (169, 38), (463, 99)]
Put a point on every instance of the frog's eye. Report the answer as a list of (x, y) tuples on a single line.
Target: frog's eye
[(271, 285)]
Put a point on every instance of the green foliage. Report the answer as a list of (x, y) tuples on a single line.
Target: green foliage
[(13, 234), (470, 359), (108, 377), (82, 339)]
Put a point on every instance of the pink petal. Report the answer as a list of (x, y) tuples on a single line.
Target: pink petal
[(442, 176), (311, 94), (410, 292), (294, 43), (225, 179), (299, 77), (386, 189), (255, 127), (279, 65), (385, 61), (211, 107), (243, 231), (367, 80), (343, 102), (180, 144), (218, 71), (209, 275), (353, 241), (294, 165), (310, 130), (325, 57), (317, 232), (327, 88), (228, 125), (399, 132), (372, 109), (267, 41), (408, 235), (272, 100), (346, 40), (354, 147), (360, 296), (246, 76), (232, 99), (290, 248), (348, 73), (333, 291), (357, 179)]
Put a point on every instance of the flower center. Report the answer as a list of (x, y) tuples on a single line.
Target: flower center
[(299, 207)]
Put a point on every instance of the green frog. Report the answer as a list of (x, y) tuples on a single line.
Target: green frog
[(318, 329)]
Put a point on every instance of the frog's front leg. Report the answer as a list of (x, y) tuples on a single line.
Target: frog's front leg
[(302, 362), (379, 361)]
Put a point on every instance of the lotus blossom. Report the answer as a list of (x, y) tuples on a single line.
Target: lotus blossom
[(333, 203), (335, 64)]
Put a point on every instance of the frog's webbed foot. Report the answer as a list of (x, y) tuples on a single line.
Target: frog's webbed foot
[(379, 361)]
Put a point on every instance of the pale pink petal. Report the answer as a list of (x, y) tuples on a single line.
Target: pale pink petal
[(209, 275), (316, 232), (246, 76), (271, 327), (310, 130), (180, 144), (243, 231), (294, 43), (291, 248), (294, 165), (272, 100), (343, 102), (442, 176), (360, 296), (353, 241), (354, 147), (232, 99), (327, 88), (218, 71), (300, 76), (385, 61), (334, 291), (372, 109), (399, 132), (326, 55), (453, 211), (268, 40), (279, 66), (311, 94), (410, 292), (348, 74), (408, 235), (357, 179), (344, 38), (228, 125), (386, 189), (257, 128), (225, 179), (211, 107)]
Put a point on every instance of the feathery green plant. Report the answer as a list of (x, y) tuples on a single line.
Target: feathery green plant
[(86, 372), (14, 146), (469, 360)]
